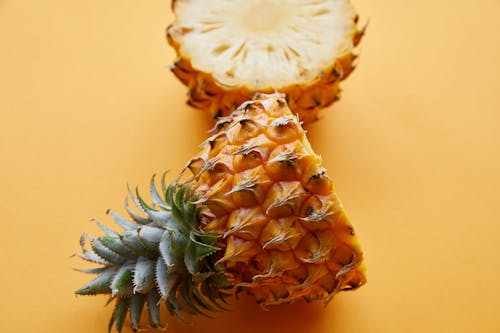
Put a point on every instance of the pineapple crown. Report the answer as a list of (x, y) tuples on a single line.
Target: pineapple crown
[(159, 256)]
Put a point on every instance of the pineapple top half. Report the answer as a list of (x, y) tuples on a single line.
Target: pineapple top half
[(229, 49), (264, 44)]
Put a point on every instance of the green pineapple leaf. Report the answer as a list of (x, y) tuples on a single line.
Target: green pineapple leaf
[(166, 282), (121, 221), (143, 275), (120, 313), (105, 253), (153, 300), (99, 285), (122, 284), (155, 196), (115, 245), (136, 306)]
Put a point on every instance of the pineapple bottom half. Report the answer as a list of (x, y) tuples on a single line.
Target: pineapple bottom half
[(254, 211)]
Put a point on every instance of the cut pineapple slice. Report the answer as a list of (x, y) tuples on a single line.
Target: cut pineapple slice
[(228, 50)]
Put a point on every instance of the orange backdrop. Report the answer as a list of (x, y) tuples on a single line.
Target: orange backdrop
[(88, 103)]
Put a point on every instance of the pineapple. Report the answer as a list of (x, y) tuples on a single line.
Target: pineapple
[(228, 50), (253, 212)]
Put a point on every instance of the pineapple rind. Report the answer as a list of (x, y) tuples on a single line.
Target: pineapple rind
[(284, 233)]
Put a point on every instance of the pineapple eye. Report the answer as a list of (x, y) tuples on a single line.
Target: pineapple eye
[(217, 142), (319, 184), (246, 129), (283, 130), (248, 160), (284, 166), (196, 165)]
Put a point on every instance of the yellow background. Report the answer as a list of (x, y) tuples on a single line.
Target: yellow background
[(88, 104)]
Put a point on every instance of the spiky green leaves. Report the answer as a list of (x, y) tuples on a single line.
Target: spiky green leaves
[(144, 275), (158, 256)]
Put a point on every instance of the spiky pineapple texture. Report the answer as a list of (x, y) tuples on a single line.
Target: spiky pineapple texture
[(258, 214), (284, 233), (228, 50)]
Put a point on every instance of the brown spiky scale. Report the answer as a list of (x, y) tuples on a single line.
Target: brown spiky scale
[(218, 59)]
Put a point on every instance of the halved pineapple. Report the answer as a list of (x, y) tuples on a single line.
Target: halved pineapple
[(257, 214), (229, 49)]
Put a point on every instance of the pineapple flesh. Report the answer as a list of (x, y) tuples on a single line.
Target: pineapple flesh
[(228, 50), (253, 212)]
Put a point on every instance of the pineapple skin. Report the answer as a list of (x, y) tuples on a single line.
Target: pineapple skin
[(305, 100), (253, 212), (283, 231)]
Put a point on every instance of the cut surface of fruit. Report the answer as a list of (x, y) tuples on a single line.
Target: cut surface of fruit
[(253, 212), (230, 49)]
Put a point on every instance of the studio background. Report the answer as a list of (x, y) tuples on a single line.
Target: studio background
[(88, 104)]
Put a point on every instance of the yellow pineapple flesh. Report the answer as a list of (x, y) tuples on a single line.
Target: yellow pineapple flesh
[(228, 50)]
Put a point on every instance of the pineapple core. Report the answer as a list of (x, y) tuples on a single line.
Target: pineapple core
[(264, 44)]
